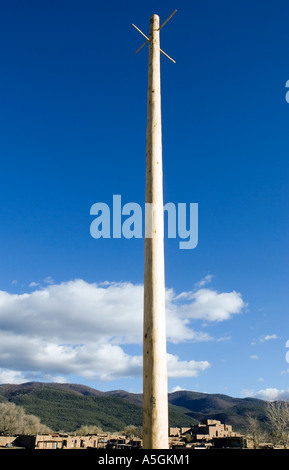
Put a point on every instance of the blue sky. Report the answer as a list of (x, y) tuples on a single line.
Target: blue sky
[(73, 123)]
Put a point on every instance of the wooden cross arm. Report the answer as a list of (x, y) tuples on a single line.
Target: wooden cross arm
[(147, 39)]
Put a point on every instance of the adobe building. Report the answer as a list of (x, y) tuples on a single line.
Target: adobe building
[(230, 442), (209, 429), (70, 441), (177, 432), (204, 431), (55, 441)]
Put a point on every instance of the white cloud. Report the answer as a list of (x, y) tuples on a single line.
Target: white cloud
[(203, 282), (177, 368), (223, 339), (263, 339), (18, 377), (11, 376), (268, 394), (209, 305), (268, 338), (177, 388), (77, 328)]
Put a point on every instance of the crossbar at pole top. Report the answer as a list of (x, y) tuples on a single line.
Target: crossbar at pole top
[(147, 39), (167, 19)]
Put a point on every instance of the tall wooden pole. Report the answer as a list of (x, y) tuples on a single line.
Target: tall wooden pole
[(155, 393)]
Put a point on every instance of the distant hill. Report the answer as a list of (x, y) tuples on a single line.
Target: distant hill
[(228, 410), (66, 407), (199, 406)]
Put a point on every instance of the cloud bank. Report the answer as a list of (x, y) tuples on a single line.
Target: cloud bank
[(268, 394), (83, 329)]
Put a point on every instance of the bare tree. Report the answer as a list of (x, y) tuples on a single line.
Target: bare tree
[(13, 420), (278, 416), (33, 425), (132, 431), (85, 430), (254, 431)]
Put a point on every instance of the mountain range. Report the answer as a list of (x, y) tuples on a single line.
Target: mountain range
[(66, 407)]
